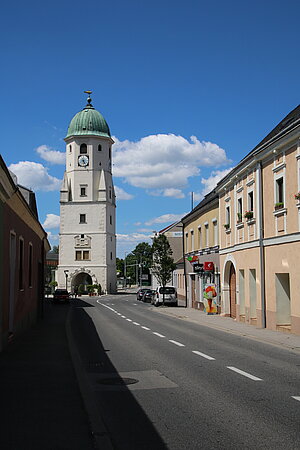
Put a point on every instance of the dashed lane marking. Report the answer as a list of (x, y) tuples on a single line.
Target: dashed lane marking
[(146, 328), (296, 398), (123, 317), (158, 334), (204, 355), (135, 323), (129, 320), (176, 343), (245, 374)]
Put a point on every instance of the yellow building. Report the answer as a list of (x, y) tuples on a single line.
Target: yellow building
[(260, 232), (201, 251)]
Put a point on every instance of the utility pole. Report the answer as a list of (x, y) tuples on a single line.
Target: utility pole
[(125, 270)]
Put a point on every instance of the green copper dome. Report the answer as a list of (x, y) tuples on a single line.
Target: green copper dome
[(88, 122)]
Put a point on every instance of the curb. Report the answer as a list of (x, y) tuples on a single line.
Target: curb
[(99, 431)]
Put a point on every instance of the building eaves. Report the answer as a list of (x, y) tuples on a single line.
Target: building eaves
[(291, 121)]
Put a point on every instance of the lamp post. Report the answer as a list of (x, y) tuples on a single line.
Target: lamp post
[(125, 270), (66, 275)]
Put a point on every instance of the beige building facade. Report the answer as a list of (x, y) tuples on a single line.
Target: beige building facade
[(259, 213)]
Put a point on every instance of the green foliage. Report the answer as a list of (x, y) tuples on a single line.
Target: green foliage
[(120, 266), (142, 254), (53, 283), (163, 262)]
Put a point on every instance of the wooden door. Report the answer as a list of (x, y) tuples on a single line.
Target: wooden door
[(232, 291)]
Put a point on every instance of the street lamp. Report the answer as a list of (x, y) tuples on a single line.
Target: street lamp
[(66, 275)]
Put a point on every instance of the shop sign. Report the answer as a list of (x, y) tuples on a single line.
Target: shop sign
[(198, 267), (208, 266)]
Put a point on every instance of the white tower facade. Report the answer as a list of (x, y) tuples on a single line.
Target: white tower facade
[(87, 240)]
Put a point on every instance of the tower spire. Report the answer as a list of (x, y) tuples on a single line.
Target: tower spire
[(89, 100)]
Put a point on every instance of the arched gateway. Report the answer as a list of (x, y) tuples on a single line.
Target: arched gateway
[(229, 288), (80, 282)]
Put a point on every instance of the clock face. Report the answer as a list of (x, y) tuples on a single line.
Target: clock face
[(83, 160)]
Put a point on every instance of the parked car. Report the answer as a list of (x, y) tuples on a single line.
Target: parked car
[(61, 295), (140, 293), (148, 296), (166, 295)]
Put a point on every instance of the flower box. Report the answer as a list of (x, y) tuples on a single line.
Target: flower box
[(248, 215), (278, 205), (297, 196), (226, 226)]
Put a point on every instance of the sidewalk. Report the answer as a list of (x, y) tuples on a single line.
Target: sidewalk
[(41, 405), (229, 325)]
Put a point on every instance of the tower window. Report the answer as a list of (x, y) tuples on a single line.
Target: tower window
[(82, 191), (109, 153), (110, 220), (83, 149), (99, 148), (82, 218), (70, 148), (82, 255)]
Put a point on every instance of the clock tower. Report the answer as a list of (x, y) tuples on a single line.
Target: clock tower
[(87, 240)]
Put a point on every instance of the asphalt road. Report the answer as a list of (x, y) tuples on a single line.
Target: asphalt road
[(162, 383)]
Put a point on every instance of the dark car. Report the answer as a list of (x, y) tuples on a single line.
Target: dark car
[(61, 295), (148, 295), (140, 293)]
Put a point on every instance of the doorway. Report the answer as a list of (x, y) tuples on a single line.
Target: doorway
[(232, 291), (80, 283)]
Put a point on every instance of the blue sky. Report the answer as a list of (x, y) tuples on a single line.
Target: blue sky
[(187, 88)]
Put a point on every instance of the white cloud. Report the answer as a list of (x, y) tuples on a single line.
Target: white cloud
[(165, 218), (211, 182), (133, 237), (50, 155), (145, 230), (35, 176), (121, 194), (170, 192), (51, 221), (52, 237), (164, 161)]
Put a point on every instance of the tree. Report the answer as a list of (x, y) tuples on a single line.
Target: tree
[(163, 262), (140, 259), (120, 266)]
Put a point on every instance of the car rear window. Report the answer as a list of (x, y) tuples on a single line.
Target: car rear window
[(167, 290)]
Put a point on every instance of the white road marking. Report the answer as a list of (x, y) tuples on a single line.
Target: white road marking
[(176, 343), (129, 320), (119, 314), (296, 398), (123, 317), (203, 355), (158, 334), (245, 374), (135, 304), (146, 328), (135, 323)]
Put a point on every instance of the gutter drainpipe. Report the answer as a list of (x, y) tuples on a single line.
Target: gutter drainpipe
[(261, 246)]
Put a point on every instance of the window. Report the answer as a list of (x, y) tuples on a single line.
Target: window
[(216, 237), (192, 240), (109, 192), (110, 220), (83, 149), (199, 238), (110, 255), (109, 153), (82, 236), (82, 255), (30, 266), (186, 241), (82, 191), (21, 262), (227, 216), (99, 148), (279, 191), (250, 201), (82, 218), (70, 148), (239, 209), (206, 235)]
